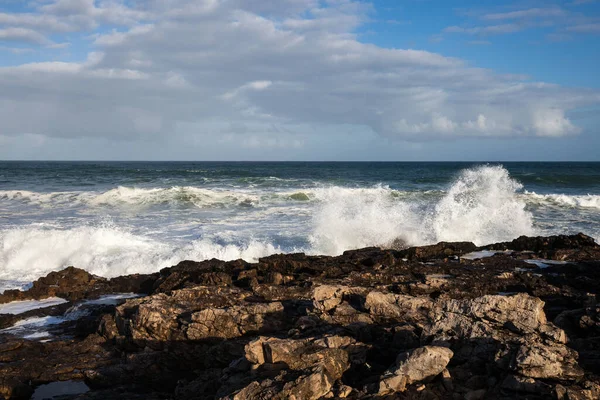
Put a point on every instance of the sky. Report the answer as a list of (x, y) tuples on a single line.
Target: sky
[(381, 80)]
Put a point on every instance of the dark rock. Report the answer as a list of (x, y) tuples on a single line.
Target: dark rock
[(545, 245), (438, 251), (414, 323)]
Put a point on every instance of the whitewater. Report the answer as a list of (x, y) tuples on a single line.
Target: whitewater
[(116, 219)]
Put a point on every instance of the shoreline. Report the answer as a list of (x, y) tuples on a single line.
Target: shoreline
[(422, 321)]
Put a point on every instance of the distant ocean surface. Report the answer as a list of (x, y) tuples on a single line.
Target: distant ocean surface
[(115, 218)]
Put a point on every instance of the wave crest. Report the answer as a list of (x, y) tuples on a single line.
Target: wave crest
[(581, 201), (28, 253), (482, 206)]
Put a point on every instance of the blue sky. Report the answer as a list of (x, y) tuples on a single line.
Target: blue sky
[(549, 52), (300, 80)]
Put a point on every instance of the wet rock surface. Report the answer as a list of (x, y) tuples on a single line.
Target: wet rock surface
[(427, 322)]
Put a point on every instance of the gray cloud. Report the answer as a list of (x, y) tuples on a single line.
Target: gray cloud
[(528, 13), (585, 28), (559, 20), (485, 30), (254, 73), (23, 35)]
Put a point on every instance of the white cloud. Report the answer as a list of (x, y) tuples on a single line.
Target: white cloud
[(23, 35), (554, 18), (585, 28), (528, 13), (184, 68), (35, 21), (552, 122)]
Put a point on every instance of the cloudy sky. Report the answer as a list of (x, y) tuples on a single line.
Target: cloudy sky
[(300, 80)]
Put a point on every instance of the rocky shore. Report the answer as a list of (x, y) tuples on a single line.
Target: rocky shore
[(515, 320)]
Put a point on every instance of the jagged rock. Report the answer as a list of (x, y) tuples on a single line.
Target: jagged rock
[(415, 366), (334, 303), (519, 384), (189, 273), (24, 363), (437, 251), (298, 326), (489, 316), (319, 361), (198, 313), (546, 244), (76, 284), (395, 306), (547, 361)]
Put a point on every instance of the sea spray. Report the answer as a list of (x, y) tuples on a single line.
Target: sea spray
[(28, 253), (351, 218), (114, 227), (482, 206), (584, 202)]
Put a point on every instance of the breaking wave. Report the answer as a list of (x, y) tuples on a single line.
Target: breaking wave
[(483, 205), (28, 253), (140, 197), (563, 200)]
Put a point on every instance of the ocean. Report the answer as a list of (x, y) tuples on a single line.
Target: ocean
[(116, 218)]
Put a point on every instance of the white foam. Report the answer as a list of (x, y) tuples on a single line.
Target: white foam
[(45, 199), (352, 218), (123, 196), (175, 195), (19, 307), (476, 255), (34, 322), (542, 263), (38, 327), (28, 253), (581, 201), (482, 206), (111, 299), (37, 335)]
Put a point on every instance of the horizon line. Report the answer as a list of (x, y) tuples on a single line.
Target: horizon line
[(315, 161)]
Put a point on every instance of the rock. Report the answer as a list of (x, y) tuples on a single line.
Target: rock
[(447, 380), (298, 326), (394, 306), (415, 366), (319, 362), (76, 284), (236, 321), (519, 384), (489, 316), (198, 313), (188, 273), (555, 361), (327, 297), (475, 394), (438, 251), (546, 245), (344, 391)]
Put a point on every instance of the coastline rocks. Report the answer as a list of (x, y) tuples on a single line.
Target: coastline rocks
[(418, 323), (318, 362), (437, 251), (415, 366), (75, 284), (578, 247), (548, 361), (202, 312)]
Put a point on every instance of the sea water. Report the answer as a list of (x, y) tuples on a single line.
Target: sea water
[(115, 218)]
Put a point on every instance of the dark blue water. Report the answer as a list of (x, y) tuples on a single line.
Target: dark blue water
[(545, 177), (122, 217)]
